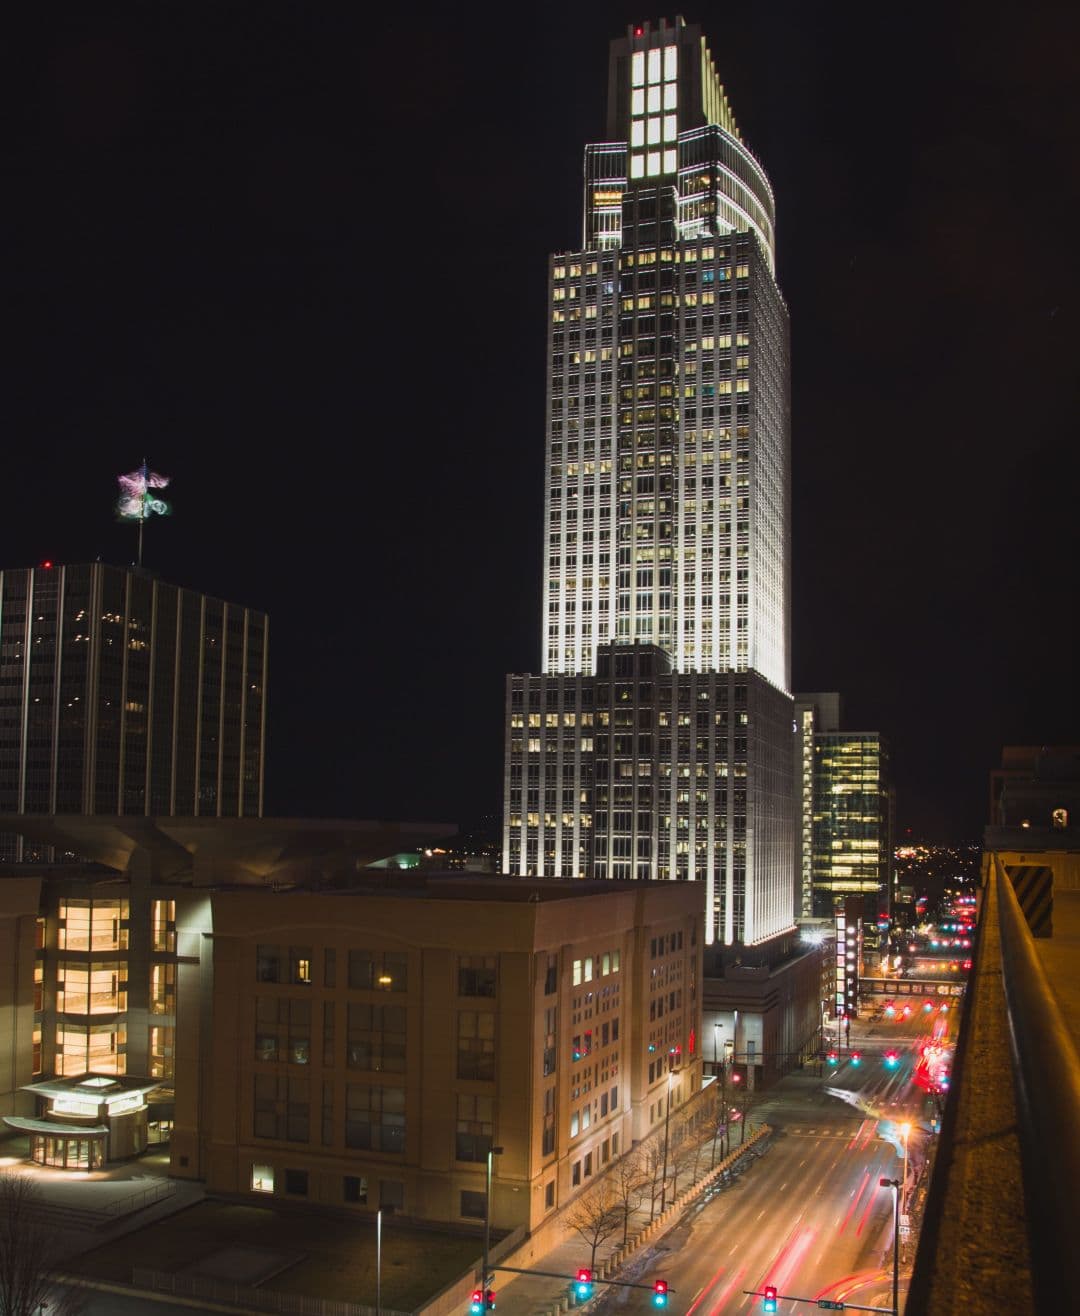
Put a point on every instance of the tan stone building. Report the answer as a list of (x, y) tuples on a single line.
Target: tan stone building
[(370, 1045)]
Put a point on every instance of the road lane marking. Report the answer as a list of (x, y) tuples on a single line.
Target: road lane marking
[(855, 1203), (702, 1291)]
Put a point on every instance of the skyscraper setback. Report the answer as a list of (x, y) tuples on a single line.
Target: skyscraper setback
[(657, 742)]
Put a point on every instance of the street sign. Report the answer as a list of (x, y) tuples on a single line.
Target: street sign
[(826, 1305)]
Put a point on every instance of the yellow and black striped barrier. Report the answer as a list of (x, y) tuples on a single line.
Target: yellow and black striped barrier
[(1034, 887)]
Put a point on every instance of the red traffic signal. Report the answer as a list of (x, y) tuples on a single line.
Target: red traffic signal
[(489, 1299), (768, 1301), (583, 1284), (476, 1302), (659, 1293)]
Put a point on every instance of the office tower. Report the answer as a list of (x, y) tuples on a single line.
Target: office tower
[(851, 834), (122, 694), (814, 713), (657, 741)]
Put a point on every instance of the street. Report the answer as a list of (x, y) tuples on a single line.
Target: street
[(809, 1216)]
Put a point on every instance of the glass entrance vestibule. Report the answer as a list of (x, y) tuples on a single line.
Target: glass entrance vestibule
[(68, 1152)]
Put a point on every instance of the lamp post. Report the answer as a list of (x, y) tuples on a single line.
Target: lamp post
[(667, 1122), (894, 1184), (715, 1047), (378, 1262), (492, 1151)]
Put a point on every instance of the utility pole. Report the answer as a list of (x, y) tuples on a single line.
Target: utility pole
[(492, 1151), (894, 1184)]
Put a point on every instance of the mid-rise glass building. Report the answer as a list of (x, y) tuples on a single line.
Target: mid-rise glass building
[(851, 831), (657, 742)]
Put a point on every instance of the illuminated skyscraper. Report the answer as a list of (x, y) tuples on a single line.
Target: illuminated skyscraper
[(122, 694), (658, 741)]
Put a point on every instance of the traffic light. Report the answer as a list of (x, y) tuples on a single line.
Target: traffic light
[(856, 1058), (659, 1293), (834, 1059), (891, 1059), (476, 1302), (489, 1299), (768, 1302), (583, 1284)]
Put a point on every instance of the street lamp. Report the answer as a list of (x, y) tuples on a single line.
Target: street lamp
[(894, 1184), (904, 1130), (715, 1047), (492, 1151)]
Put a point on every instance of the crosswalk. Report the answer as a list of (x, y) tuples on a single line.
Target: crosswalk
[(809, 1132)]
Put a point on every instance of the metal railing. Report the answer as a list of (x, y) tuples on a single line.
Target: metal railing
[(137, 1200), (1047, 1075), (999, 1225), (208, 1289)]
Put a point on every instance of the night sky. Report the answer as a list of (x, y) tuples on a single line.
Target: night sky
[(298, 260)]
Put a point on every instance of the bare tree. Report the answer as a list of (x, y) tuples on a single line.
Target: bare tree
[(595, 1217), (746, 1101), (721, 1117), (30, 1255), (654, 1172), (628, 1178), (686, 1161)]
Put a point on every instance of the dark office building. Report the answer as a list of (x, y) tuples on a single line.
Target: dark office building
[(121, 694)]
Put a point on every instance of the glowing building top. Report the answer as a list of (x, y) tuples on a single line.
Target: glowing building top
[(667, 493), (668, 119)]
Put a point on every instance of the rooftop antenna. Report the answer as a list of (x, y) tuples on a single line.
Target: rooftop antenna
[(137, 503)]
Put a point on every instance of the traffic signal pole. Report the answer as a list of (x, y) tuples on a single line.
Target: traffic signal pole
[(823, 1304), (614, 1283)]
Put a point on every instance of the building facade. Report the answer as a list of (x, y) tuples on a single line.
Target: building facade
[(371, 1045), (851, 832), (814, 713), (106, 965), (121, 694), (666, 514)]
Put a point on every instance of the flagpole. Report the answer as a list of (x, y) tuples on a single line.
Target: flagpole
[(142, 509)]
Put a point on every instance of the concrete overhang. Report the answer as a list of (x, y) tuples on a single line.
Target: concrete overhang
[(228, 851)]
